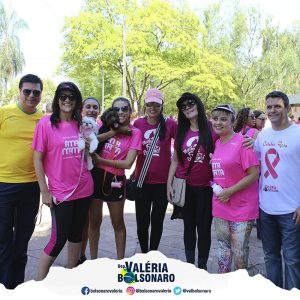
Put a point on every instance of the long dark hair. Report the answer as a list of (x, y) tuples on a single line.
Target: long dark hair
[(241, 119), (205, 135), (55, 118)]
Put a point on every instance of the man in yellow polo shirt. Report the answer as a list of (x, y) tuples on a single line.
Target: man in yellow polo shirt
[(19, 189)]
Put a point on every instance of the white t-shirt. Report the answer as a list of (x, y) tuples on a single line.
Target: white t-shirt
[(279, 185)]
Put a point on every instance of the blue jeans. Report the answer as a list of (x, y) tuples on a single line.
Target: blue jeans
[(19, 204), (280, 232)]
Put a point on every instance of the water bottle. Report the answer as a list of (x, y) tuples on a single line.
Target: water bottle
[(217, 189)]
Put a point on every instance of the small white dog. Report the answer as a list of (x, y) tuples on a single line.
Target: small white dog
[(88, 130)]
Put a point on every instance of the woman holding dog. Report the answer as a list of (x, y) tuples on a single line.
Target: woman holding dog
[(70, 184), (118, 154), (91, 108), (152, 208)]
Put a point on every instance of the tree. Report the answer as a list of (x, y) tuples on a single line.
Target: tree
[(11, 57), (162, 49), (239, 44)]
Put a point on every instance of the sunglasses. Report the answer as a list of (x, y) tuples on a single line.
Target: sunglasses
[(35, 93), (64, 97), (252, 117), (153, 104), (187, 104), (122, 109)]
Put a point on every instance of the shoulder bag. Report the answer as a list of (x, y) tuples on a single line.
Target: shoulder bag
[(179, 184)]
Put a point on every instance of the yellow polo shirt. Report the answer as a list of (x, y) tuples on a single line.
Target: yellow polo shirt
[(16, 134)]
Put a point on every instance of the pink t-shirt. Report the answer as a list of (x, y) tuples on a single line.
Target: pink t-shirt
[(161, 159), (62, 159), (117, 147), (99, 122), (249, 131), (201, 173), (230, 162)]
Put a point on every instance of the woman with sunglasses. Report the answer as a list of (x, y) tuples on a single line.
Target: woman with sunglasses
[(245, 122), (260, 119), (236, 170), (194, 128), (118, 154), (91, 232), (70, 184), (152, 208)]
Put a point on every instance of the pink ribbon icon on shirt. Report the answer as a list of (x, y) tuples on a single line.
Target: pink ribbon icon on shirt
[(271, 166)]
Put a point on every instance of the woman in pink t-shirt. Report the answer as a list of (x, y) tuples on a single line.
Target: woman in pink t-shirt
[(153, 205), (245, 123), (194, 128), (236, 169), (56, 155), (118, 154)]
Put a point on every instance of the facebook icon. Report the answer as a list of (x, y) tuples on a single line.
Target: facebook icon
[(85, 290)]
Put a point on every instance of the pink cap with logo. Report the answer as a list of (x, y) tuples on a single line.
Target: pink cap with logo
[(154, 95)]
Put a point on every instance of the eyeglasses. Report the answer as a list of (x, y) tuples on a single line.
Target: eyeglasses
[(122, 108), (35, 93), (187, 104), (64, 97), (262, 119), (252, 117)]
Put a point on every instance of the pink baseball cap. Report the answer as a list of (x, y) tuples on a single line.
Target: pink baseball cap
[(154, 95)]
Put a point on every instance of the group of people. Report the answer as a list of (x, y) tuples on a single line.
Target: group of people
[(41, 155)]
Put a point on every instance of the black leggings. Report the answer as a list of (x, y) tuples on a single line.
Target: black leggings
[(68, 220), (197, 213), (152, 208)]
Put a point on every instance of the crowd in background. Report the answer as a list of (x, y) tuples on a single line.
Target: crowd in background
[(256, 170)]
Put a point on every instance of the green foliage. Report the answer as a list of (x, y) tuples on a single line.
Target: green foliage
[(232, 53), (11, 57), (162, 49)]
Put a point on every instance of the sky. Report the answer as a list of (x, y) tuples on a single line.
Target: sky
[(40, 43)]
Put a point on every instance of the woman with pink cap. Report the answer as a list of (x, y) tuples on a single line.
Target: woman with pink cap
[(152, 208)]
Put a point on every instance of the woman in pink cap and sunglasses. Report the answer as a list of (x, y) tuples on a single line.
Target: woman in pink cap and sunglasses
[(152, 208)]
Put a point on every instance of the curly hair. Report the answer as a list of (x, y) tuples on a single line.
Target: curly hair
[(241, 119)]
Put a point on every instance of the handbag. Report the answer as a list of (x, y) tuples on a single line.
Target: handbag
[(133, 192), (134, 186), (179, 184)]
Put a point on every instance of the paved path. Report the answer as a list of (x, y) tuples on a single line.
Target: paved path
[(171, 243)]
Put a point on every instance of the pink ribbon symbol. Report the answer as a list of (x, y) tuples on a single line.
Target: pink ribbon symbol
[(271, 166)]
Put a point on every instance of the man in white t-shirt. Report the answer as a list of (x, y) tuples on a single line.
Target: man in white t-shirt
[(278, 148)]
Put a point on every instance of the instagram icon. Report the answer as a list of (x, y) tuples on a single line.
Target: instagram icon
[(130, 290)]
